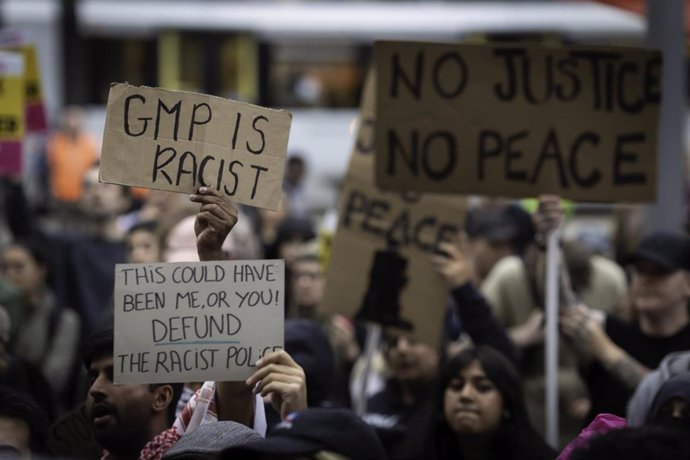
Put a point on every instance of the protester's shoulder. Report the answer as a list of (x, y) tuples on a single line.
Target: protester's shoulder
[(676, 363), (607, 285), (508, 266), (507, 271), (605, 269), (507, 279), (60, 239), (70, 319)]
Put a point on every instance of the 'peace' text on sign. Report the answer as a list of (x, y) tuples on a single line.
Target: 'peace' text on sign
[(371, 220), (518, 121)]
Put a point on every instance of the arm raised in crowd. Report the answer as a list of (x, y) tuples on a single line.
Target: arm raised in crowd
[(277, 373), (584, 329), (216, 218), (477, 319)]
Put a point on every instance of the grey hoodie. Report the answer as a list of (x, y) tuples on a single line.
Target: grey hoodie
[(641, 402)]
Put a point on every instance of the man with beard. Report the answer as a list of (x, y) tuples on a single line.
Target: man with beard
[(135, 421), (127, 417)]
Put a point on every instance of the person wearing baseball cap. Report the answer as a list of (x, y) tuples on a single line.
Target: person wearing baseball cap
[(622, 353), (317, 433), (663, 251)]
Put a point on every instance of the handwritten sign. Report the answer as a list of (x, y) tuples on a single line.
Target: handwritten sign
[(11, 112), (370, 218), (196, 321), (179, 141), (518, 121)]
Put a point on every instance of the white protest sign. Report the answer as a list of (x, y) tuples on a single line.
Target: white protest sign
[(179, 141), (181, 322)]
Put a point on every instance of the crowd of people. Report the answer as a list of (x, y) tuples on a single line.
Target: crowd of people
[(477, 393)]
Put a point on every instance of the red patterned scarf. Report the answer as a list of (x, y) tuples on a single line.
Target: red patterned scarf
[(155, 448)]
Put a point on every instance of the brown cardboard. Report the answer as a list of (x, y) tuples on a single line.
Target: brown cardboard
[(448, 121), (234, 147), (360, 234)]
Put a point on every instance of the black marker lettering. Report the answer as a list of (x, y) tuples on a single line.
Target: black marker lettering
[(259, 169), (461, 79), (595, 176), (128, 101), (175, 109), (157, 166), (199, 122), (261, 133), (622, 156), (398, 75)]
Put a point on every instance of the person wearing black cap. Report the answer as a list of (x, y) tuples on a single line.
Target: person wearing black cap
[(620, 354), (315, 434)]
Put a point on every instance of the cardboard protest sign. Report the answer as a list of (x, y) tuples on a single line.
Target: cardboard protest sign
[(370, 220), (34, 111), (11, 112), (72, 436), (182, 322), (179, 141), (518, 121)]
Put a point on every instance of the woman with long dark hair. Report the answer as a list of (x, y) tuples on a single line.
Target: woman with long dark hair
[(49, 333), (479, 412)]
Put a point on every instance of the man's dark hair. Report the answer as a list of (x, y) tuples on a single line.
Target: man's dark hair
[(19, 406), (296, 159), (38, 249), (100, 344), (150, 226), (307, 257), (511, 226)]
